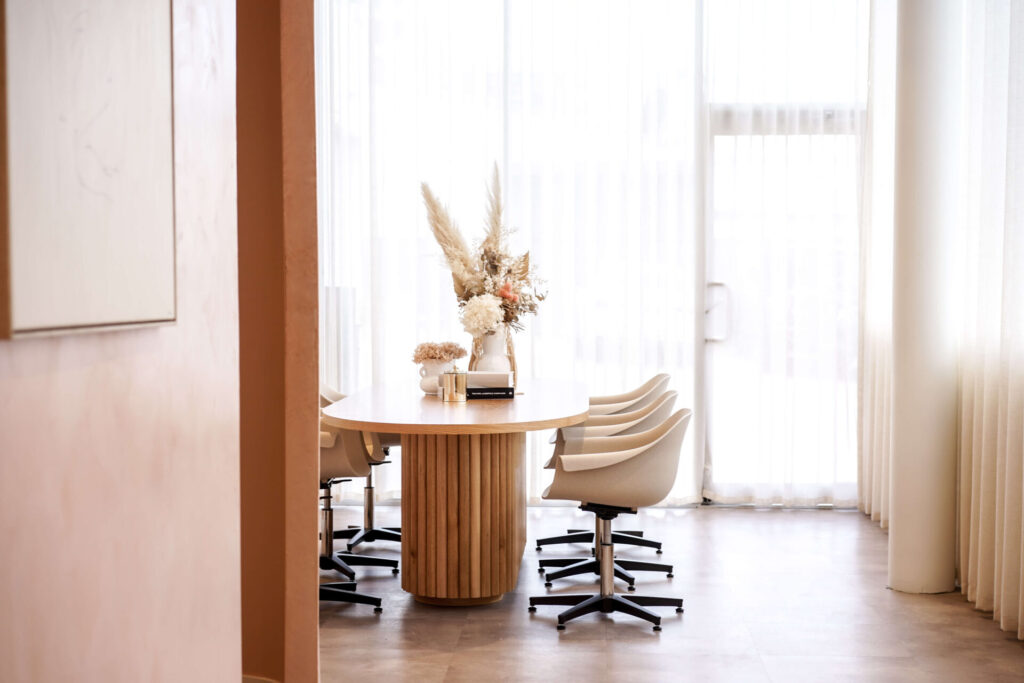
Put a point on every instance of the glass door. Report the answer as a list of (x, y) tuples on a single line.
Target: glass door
[(785, 91), (781, 324)]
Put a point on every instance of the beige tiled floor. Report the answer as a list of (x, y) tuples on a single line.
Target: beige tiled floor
[(770, 595)]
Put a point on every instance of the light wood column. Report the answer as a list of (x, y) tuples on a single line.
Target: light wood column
[(463, 516)]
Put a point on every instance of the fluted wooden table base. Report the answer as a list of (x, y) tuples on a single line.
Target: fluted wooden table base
[(463, 516)]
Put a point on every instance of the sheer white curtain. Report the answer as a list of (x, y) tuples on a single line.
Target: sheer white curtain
[(876, 277), (786, 87), (602, 183), (401, 98), (992, 364), (588, 110), (619, 128), (991, 279)]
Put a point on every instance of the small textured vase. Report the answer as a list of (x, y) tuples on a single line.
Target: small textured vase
[(493, 352), (429, 372)]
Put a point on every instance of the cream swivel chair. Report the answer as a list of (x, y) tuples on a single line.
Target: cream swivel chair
[(617, 475), (380, 449), (343, 455), (632, 404), (570, 440), (338, 591)]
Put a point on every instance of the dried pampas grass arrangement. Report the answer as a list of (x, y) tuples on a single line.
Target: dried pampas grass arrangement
[(488, 270), (460, 260)]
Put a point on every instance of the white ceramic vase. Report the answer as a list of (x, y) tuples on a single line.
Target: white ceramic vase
[(429, 372), (494, 351)]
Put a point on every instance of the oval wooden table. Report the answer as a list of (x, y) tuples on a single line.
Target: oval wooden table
[(463, 485)]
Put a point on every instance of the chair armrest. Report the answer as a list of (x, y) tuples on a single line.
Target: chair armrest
[(611, 449), (586, 431), (596, 461), (608, 408), (586, 445), (376, 452), (328, 439)]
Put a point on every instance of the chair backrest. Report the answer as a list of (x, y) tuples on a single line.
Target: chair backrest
[(632, 422), (345, 457), (631, 400), (328, 395), (662, 458), (377, 441), (658, 386), (642, 471), (653, 414)]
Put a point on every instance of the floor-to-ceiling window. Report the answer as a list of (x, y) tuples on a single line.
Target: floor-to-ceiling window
[(638, 168)]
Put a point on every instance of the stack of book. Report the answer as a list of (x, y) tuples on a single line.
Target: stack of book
[(483, 384)]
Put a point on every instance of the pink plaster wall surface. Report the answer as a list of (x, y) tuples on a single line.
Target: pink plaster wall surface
[(119, 451)]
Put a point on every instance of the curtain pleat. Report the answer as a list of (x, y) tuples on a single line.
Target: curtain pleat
[(874, 406), (990, 553), (992, 373)]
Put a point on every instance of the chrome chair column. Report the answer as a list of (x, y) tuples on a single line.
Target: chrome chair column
[(342, 562), (339, 591), (369, 532)]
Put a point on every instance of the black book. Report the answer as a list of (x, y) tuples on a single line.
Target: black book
[(490, 392)]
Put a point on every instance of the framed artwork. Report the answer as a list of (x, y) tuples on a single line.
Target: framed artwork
[(87, 238)]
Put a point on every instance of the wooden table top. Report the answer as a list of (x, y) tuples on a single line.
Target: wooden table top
[(404, 409)]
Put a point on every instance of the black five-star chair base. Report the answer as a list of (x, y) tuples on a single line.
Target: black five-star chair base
[(345, 591), (583, 536), (607, 600), (363, 535), (343, 562), (585, 604), (571, 566)]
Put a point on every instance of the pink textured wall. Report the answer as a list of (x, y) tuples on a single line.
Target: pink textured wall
[(119, 465)]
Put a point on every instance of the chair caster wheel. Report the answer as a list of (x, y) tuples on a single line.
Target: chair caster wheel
[(539, 549), (669, 575), (378, 610), (631, 588), (547, 584), (531, 608), (561, 627), (394, 571), (658, 551), (657, 628), (540, 570), (679, 610)]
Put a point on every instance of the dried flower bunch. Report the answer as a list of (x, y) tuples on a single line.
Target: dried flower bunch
[(446, 351), (492, 286)]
